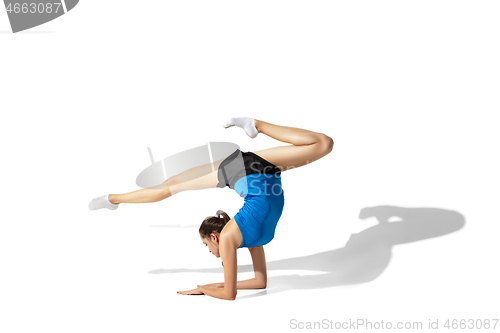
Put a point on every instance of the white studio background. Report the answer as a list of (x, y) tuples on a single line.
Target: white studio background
[(408, 90)]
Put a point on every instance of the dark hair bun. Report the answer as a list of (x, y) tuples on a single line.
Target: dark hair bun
[(214, 223)]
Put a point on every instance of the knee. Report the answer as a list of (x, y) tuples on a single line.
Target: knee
[(165, 193), (171, 187), (159, 193), (326, 143)]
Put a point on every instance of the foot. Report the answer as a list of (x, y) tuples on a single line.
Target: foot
[(248, 124), (102, 202)]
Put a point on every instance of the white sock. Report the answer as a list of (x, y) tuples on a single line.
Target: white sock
[(246, 123), (102, 202)]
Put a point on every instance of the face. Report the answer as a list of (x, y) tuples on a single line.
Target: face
[(212, 243)]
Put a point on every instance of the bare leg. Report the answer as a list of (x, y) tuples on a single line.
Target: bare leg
[(141, 196), (192, 179), (307, 146)]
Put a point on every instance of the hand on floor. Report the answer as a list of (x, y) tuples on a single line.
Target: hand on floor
[(191, 292)]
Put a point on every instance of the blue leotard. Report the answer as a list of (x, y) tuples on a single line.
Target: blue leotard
[(259, 183)]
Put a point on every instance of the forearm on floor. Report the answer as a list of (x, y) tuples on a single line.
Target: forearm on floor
[(246, 284), (218, 293)]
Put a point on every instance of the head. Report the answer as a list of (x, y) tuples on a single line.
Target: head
[(210, 230)]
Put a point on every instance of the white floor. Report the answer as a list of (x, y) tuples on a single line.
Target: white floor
[(399, 224)]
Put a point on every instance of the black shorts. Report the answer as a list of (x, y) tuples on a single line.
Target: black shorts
[(241, 164)]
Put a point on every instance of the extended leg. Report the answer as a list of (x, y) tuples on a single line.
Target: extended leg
[(198, 178), (154, 194), (307, 146)]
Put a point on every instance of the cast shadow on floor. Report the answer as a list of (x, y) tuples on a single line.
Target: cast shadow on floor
[(364, 257)]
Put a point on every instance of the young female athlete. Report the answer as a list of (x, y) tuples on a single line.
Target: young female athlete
[(256, 176)]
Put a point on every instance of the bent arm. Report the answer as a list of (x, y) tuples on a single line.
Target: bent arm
[(227, 249), (260, 270), (259, 266)]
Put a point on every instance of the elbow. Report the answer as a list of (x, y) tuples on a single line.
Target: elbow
[(262, 284), (231, 297)]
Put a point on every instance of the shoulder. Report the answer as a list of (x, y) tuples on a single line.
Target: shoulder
[(230, 236)]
